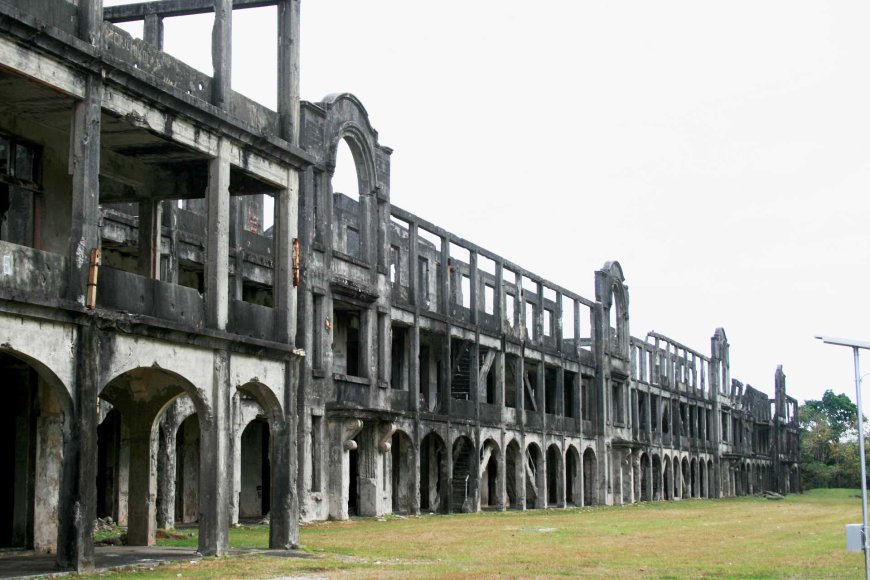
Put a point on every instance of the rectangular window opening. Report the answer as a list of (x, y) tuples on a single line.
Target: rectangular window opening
[(488, 299)]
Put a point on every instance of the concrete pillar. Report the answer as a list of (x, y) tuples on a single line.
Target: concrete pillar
[(166, 476), (286, 225), (153, 31), (150, 218), (217, 242), (222, 53), (285, 485), (77, 508), (48, 463), (288, 69), (415, 474), (141, 518), (85, 166), (214, 466)]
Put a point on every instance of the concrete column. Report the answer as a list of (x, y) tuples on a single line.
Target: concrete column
[(48, 463), (150, 217), (222, 53), (91, 21), (286, 225), (217, 242), (284, 519), (288, 69), (414, 367), (473, 278), (413, 258), (153, 31), (84, 164), (170, 209), (444, 294), (166, 476), (414, 472), (77, 508), (368, 471), (214, 465), (142, 511)]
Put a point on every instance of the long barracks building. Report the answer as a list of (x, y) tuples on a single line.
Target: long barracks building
[(169, 353)]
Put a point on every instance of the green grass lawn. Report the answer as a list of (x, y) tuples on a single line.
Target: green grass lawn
[(802, 536)]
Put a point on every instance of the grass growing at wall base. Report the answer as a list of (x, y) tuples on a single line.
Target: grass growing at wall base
[(800, 536)]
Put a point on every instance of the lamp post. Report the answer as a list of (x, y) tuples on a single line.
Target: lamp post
[(856, 345)]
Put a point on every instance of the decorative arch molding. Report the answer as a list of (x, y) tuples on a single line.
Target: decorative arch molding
[(46, 347), (341, 116), (612, 293), (58, 389)]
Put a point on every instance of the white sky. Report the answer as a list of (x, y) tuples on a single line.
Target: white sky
[(720, 151)]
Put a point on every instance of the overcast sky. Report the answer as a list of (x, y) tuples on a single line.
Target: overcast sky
[(720, 151)]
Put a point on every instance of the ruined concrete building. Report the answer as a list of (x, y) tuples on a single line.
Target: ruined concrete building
[(175, 349)]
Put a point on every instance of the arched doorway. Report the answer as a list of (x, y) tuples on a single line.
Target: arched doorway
[(535, 477), (464, 476), (514, 485), (402, 461), (256, 478), (686, 479), (141, 396), (34, 423), (111, 498), (572, 476), (554, 476), (702, 479), (711, 480), (656, 477), (644, 477), (187, 458), (490, 475), (590, 479), (433, 473)]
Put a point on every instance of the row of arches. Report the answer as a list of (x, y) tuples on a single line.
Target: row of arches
[(465, 477), (163, 455)]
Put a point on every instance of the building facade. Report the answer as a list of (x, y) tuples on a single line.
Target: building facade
[(194, 327)]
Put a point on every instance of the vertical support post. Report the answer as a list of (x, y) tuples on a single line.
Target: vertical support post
[(84, 165), (141, 518), (286, 222), (150, 218), (214, 463), (217, 243), (284, 524), (863, 460), (445, 297), (77, 508), (152, 33), (288, 69), (222, 53)]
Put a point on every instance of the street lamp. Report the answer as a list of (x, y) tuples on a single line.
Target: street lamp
[(855, 345)]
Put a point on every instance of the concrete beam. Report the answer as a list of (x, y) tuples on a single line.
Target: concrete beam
[(170, 8)]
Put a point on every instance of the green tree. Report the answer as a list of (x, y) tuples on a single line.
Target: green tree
[(829, 450)]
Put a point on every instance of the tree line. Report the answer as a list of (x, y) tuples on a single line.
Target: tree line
[(829, 454)]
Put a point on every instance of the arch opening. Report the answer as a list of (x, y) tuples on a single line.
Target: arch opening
[(554, 476), (535, 477), (572, 476), (34, 422), (462, 496), (590, 478), (402, 457), (433, 472), (490, 475)]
